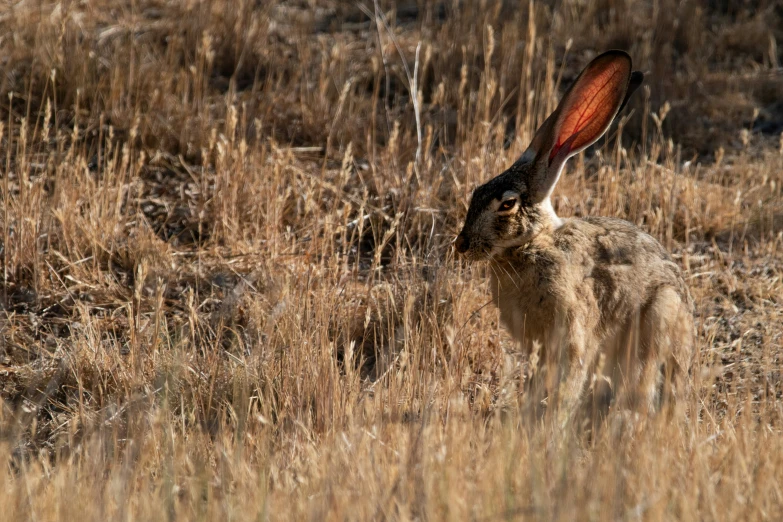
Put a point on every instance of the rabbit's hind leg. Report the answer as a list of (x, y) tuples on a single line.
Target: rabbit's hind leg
[(665, 344)]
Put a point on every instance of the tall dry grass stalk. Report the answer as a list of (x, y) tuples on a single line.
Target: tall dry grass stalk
[(228, 287)]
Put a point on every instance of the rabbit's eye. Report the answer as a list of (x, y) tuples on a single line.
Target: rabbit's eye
[(507, 205)]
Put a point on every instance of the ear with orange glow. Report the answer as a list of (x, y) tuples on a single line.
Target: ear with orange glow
[(591, 104), (583, 115)]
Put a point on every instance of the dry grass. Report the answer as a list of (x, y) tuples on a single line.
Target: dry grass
[(228, 290)]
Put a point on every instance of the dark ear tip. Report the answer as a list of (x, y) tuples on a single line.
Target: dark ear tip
[(634, 82), (616, 53)]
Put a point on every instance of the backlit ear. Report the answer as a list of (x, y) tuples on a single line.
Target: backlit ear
[(583, 115)]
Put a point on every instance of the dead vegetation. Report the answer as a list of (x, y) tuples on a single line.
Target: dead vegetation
[(228, 287)]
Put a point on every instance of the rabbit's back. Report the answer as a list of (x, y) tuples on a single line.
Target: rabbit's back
[(622, 266)]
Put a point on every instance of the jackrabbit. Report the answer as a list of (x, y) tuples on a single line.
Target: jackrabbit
[(590, 289)]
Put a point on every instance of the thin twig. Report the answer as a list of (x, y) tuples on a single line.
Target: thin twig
[(413, 80), (416, 107)]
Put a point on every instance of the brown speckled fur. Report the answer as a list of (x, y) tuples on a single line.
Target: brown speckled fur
[(583, 290), (612, 289)]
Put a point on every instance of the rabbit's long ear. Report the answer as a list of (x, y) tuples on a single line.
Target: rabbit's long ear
[(583, 115)]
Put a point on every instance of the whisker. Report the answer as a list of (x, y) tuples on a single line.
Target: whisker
[(494, 271), (516, 284), (515, 270)]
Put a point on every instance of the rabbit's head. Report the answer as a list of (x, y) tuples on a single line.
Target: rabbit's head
[(509, 210)]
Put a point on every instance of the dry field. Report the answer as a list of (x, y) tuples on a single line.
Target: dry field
[(228, 286)]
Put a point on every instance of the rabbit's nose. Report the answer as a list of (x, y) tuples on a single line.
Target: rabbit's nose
[(461, 244)]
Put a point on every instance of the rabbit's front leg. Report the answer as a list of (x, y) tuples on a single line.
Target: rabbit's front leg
[(579, 357)]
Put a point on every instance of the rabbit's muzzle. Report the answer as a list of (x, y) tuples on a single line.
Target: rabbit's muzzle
[(472, 249), (461, 244)]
